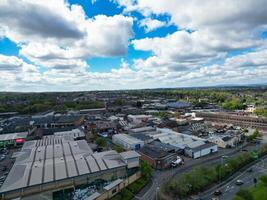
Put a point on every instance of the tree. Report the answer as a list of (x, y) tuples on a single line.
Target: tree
[(264, 180), (245, 194), (118, 148), (146, 169), (101, 142)]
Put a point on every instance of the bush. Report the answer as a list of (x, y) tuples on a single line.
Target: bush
[(245, 194), (101, 142), (199, 178)]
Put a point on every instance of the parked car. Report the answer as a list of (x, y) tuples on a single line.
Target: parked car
[(177, 162), (4, 168), (250, 170), (239, 182), (217, 192), (2, 157)]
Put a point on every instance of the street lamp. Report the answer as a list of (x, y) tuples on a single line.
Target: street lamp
[(157, 190), (220, 170)]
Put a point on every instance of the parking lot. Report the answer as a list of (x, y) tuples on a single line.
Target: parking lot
[(6, 163)]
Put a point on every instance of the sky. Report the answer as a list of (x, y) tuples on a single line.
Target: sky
[(79, 45)]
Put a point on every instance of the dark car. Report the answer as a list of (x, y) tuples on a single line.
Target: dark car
[(250, 170), (4, 168), (239, 182), (217, 192)]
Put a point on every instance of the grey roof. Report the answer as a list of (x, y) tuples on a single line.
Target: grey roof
[(74, 133), (204, 146), (129, 154), (141, 136), (113, 184), (57, 161)]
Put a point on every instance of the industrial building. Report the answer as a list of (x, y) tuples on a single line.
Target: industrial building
[(188, 143), (56, 163), (76, 134), (158, 155), (127, 141), (235, 119)]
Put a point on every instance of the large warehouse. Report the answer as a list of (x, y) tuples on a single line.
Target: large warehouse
[(56, 163)]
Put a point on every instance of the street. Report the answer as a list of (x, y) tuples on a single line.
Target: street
[(159, 178), (230, 188)]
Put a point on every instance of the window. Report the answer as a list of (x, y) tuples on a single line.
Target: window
[(114, 191)]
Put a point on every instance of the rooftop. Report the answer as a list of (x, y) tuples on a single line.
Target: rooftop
[(40, 163)]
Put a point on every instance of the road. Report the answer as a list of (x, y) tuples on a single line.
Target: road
[(230, 188), (159, 178)]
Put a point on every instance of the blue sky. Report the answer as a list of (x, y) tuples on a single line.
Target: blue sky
[(117, 44)]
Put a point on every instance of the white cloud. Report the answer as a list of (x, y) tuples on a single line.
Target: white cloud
[(152, 24), (56, 34)]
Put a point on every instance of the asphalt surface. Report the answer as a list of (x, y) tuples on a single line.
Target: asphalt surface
[(159, 178), (230, 188)]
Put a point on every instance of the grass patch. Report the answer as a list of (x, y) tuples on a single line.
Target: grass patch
[(132, 189)]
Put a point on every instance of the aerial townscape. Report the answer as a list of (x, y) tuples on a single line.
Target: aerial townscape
[(133, 99), (197, 143)]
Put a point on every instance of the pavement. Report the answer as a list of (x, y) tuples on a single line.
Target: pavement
[(159, 178), (229, 188)]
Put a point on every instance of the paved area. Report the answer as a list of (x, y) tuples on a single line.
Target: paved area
[(230, 188), (159, 178)]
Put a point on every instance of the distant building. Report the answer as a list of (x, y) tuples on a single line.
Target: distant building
[(138, 119), (127, 141), (12, 139), (235, 119)]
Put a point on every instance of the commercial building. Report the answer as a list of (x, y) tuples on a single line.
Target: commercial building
[(138, 119), (127, 141), (225, 140), (187, 143), (12, 139), (201, 150), (54, 164), (235, 119), (156, 157), (76, 134)]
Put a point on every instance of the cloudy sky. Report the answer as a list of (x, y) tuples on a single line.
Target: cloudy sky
[(130, 44)]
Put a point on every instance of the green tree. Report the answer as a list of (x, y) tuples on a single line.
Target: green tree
[(146, 169), (245, 194), (101, 142), (263, 179)]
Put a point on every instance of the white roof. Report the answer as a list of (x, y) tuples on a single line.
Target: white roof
[(75, 133), (177, 139)]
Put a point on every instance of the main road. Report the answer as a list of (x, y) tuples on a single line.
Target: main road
[(159, 178), (229, 188)]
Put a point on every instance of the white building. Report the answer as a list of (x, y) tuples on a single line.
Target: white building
[(138, 119), (127, 141), (224, 141)]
